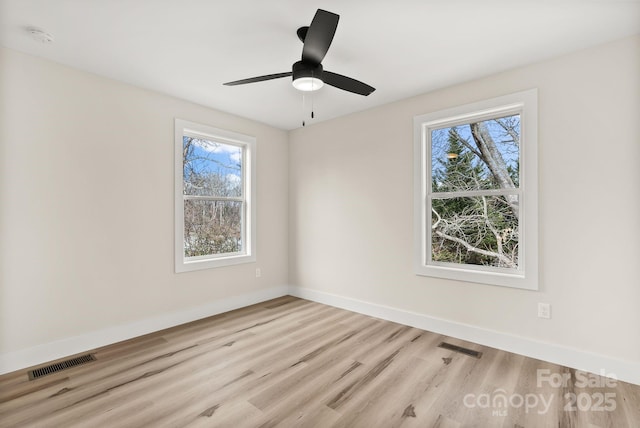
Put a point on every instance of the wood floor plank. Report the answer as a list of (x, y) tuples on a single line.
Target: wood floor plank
[(290, 362)]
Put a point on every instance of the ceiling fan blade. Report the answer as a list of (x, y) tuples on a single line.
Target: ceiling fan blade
[(319, 36), (258, 79), (346, 83)]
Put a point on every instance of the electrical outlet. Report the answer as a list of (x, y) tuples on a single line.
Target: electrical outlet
[(544, 310), (258, 273)]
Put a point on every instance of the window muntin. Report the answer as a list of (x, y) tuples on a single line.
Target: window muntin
[(215, 213), (472, 211)]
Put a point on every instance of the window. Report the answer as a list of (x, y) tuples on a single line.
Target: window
[(476, 192), (214, 204)]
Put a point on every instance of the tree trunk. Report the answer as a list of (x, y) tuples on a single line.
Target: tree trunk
[(493, 159)]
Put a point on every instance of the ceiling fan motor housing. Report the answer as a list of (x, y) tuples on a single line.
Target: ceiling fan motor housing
[(303, 69)]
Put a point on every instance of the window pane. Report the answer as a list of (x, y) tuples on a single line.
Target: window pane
[(480, 230), (211, 168), (480, 155), (212, 227)]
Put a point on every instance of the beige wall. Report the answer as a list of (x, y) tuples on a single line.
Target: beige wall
[(86, 205), (351, 206)]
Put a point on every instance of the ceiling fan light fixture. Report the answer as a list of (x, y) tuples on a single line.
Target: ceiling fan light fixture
[(307, 84), (307, 77)]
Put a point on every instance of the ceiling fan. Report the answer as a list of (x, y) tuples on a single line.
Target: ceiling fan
[(308, 74)]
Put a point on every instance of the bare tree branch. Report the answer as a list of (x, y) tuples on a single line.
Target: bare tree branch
[(465, 143), (504, 259), (439, 218), (508, 128)]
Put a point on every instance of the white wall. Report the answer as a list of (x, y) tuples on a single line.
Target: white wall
[(86, 209), (351, 208)]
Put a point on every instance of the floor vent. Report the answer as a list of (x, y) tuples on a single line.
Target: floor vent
[(62, 365), (460, 349)]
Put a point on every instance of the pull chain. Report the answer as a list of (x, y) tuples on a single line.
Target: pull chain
[(312, 115), (312, 91), (303, 105)]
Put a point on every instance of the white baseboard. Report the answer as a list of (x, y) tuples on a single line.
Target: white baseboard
[(12, 361), (627, 371)]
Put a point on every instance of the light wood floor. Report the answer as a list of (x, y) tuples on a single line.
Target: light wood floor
[(294, 363)]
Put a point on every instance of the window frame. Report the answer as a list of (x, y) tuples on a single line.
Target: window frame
[(248, 145), (526, 276)]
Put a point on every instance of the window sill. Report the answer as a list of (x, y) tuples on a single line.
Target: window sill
[(183, 265), (503, 279)]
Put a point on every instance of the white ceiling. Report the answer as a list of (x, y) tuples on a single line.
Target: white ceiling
[(188, 48)]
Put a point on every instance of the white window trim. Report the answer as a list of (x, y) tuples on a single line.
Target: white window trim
[(248, 143), (524, 103)]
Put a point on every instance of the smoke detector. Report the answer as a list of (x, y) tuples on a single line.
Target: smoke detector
[(40, 35)]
